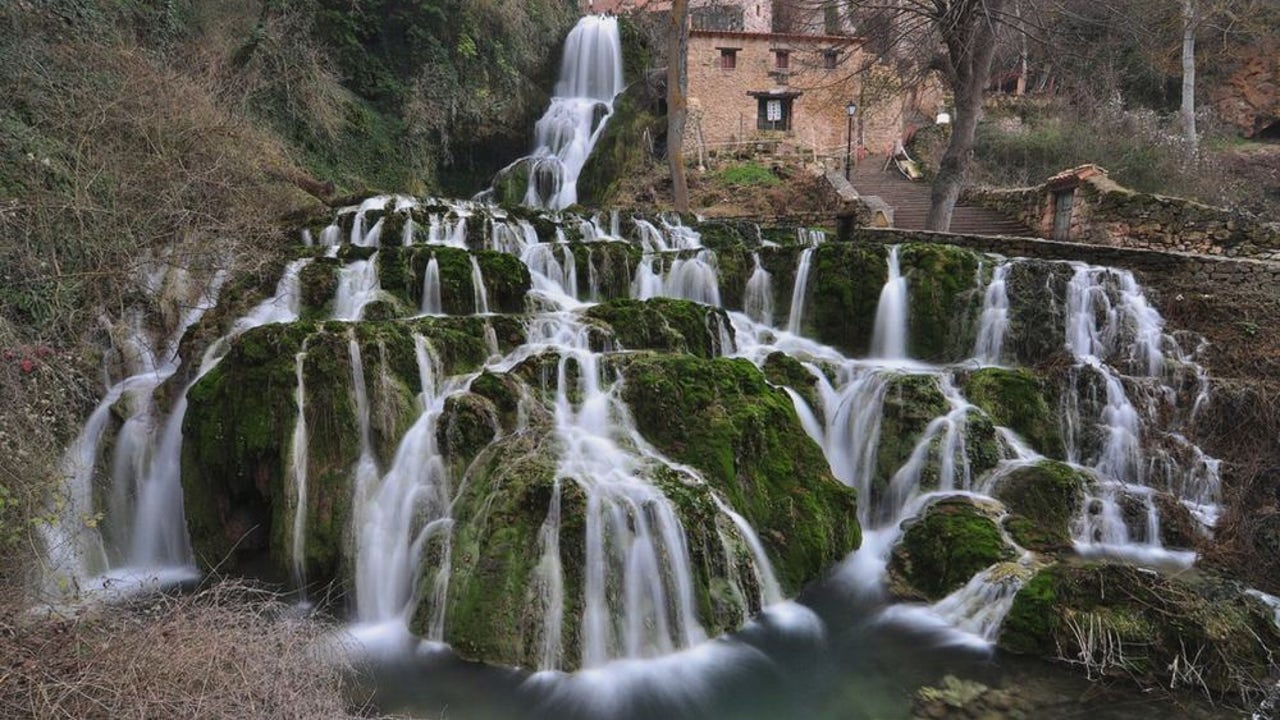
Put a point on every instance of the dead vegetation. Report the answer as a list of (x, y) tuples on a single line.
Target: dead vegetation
[(228, 651)]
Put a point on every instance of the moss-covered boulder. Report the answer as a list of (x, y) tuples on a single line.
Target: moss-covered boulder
[(1037, 311), (401, 272), (512, 182), (510, 500), (911, 403), (1042, 500), (954, 539), (721, 417), (605, 269), (843, 293), (677, 326), (622, 151), (1191, 628), (1019, 400), (238, 430), (944, 300), (784, 370)]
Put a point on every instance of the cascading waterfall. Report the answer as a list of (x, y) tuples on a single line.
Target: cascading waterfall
[(800, 291), (994, 321), (357, 287), (432, 304), (637, 593), (590, 78), (890, 339), (1111, 324), (299, 454), (758, 300)]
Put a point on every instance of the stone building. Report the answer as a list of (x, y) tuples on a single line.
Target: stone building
[(768, 73)]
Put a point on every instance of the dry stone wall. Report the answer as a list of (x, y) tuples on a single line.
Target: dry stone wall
[(1105, 213)]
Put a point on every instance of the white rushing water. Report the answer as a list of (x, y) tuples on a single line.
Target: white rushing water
[(638, 597), (590, 78), (890, 339)]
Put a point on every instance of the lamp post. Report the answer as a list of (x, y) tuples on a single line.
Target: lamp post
[(851, 109)]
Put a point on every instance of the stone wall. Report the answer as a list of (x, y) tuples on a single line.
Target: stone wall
[(1166, 271), (1105, 213)]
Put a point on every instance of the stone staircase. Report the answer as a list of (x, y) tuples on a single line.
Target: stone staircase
[(910, 202)]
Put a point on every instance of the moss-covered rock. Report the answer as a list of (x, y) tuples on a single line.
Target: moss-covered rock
[(621, 152), (663, 324), (954, 539), (723, 418), (1119, 620), (1042, 499), (318, 284), (402, 269), (1019, 400), (911, 402), (512, 182), (494, 612), (782, 369), (1037, 311), (944, 300), (239, 424), (843, 292), (605, 269)]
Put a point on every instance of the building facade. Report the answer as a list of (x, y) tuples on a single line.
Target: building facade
[(783, 72)]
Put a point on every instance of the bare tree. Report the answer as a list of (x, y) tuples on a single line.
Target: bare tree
[(677, 99), (1188, 108)]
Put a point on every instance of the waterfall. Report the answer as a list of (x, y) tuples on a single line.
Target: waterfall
[(758, 299), (1109, 325), (590, 78), (431, 302), (480, 294), (297, 473), (800, 291), (357, 287), (995, 318), (889, 340), (406, 508)]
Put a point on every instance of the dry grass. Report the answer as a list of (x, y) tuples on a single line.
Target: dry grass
[(228, 651)]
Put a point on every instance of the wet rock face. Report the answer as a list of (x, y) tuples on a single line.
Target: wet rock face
[(953, 540), (1043, 499), (1125, 621)]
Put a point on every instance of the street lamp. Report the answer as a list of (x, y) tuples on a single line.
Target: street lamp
[(851, 109)]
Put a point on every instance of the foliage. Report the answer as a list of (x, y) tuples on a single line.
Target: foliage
[(748, 174)]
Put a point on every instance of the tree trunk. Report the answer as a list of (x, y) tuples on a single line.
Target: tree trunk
[(1188, 111), (970, 37), (677, 99)]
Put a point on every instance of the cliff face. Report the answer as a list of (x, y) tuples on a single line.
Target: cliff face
[(1249, 97)]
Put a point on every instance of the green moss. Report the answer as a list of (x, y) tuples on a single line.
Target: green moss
[(1142, 624), (843, 293), (502, 391), (506, 279), (782, 369), (721, 417), (941, 550), (746, 174), (620, 153), (494, 612), (911, 402), (1019, 400), (1037, 317), (468, 424), (944, 301), (1042, 500), (663, 324), (611, 263), (319, 286)]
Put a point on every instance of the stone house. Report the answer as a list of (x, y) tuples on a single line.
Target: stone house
[(781, 73)]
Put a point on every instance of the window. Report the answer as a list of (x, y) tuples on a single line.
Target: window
[(830, 59), (782, 59), (774, 113), (728, 58)]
